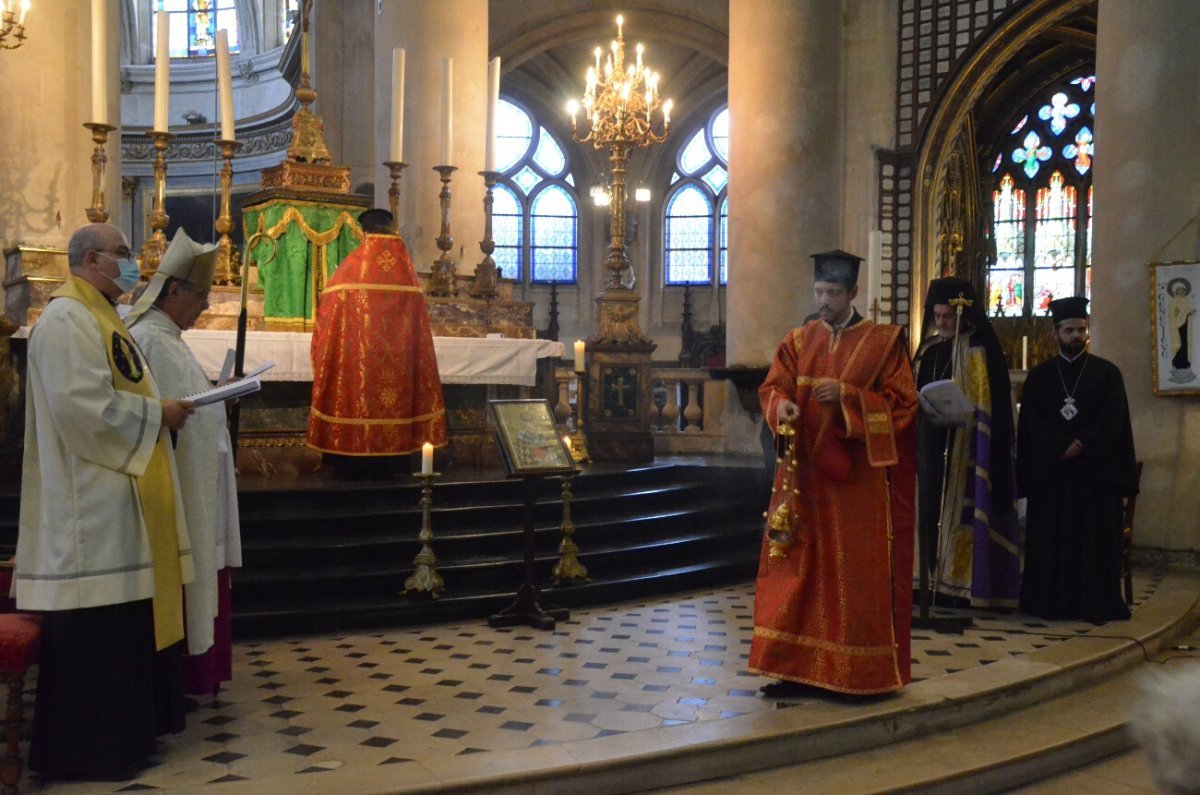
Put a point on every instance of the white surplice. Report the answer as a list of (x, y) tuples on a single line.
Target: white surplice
[(204, 458)]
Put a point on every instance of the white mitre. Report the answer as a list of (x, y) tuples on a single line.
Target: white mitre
[(186, 260)]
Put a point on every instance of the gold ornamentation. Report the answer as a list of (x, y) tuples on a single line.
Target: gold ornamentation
[(228, 269), (487, 276), (156, 245), (316, 177), (97, 213)]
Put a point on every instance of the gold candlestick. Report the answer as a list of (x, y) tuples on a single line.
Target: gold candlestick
[(156, 244), (97, 213), (11, 26), (227, 266), (425, 579), (579, 451), (487, 279), (568, 566), (442, 279), (395, 168)]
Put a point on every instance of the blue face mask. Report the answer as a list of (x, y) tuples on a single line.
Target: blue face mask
[(130, 273)]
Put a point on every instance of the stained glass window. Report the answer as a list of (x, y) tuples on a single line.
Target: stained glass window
[(193, 26), (689, 236), (1042, 172), (506, 231), (535, 211), (696, 209)]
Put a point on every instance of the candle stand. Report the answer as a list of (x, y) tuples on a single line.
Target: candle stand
[(97, 213), (156, 244), (568, 567), (486, 276), (425, 580), (442, 278)]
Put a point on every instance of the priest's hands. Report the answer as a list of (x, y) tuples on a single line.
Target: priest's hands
[(828, 390), (786, 411), (1073, 449), (176, 412)]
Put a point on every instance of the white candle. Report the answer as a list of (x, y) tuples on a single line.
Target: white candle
[(579, 349), (24, 11), (447, 111), (1024, 353), (162, 71), (875, 266), (396, 154), (493, 108), (225, 85), (427, 459), (99, 61)]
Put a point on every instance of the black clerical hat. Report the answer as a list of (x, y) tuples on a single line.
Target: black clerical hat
[(836, 266), (1071, 308), (375, 218), (942, 290)]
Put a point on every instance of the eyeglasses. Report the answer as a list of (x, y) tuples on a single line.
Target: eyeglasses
[(121, 253)]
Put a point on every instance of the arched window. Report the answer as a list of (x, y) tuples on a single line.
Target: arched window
[(535, 212), (194, 24), (1042, 203), (697, 210)]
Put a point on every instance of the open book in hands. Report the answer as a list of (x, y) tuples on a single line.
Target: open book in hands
[(944, 403)]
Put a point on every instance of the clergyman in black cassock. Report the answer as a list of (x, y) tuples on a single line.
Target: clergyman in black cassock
[(1075, 463)]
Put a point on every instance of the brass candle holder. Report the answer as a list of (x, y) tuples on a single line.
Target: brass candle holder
[(568, 567), (156, 244), (425, 580), (442, 279), (227, 271), (579, 451), (487, 278), (98, 213), (395, 168)]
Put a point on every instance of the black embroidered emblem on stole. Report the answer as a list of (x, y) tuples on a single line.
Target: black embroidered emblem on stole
[(125, 357)]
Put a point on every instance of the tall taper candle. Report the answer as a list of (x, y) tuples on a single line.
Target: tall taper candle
[(493, 108), (225, 85), (99, 61), (447, 111), (397, 151), (162, 71)]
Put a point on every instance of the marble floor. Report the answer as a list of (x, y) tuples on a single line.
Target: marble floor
[(329, 706)]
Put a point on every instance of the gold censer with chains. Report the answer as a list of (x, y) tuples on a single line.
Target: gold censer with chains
[(780, 535)]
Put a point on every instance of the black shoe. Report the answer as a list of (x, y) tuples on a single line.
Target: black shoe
[(785, 689)]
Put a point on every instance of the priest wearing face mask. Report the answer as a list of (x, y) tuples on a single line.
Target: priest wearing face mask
[(172, 303), (1075, 462), (102, 548)]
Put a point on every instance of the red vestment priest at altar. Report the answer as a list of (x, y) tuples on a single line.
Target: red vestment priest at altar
[(836, 609), (376, 389)]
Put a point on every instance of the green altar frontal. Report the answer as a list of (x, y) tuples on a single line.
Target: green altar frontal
[(298, 241)]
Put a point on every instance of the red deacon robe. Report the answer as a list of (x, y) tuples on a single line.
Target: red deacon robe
[(836, 611), (376, 389)]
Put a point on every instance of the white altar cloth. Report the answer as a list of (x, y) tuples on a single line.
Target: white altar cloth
[(461, 360)]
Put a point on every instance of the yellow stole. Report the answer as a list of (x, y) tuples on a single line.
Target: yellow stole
[(155, 489)]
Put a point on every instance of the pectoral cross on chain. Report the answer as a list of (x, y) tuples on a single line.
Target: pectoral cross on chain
[(1068, 410)]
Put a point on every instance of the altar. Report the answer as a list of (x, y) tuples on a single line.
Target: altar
[(473, 370)]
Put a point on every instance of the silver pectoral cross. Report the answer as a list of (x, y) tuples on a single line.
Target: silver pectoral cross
[(1068, 410)]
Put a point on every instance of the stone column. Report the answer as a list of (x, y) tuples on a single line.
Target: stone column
[(46, 157), (343, 75), (430, 32), (1147, 189), (785, 178)]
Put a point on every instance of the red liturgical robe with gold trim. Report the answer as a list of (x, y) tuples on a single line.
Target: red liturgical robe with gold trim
[(836, 611), (376, 389)]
